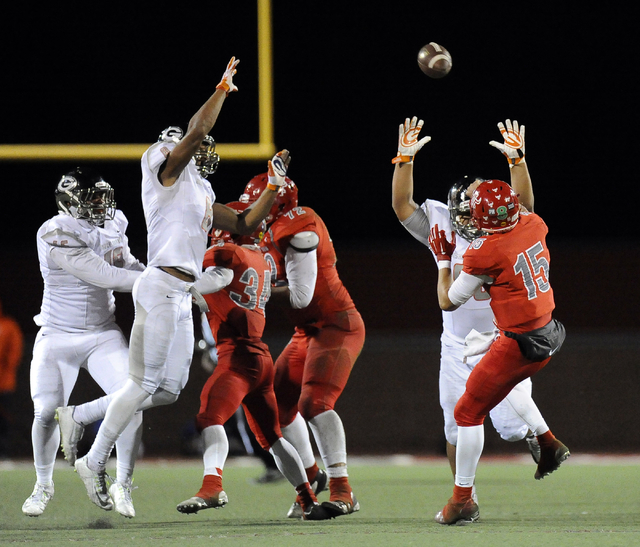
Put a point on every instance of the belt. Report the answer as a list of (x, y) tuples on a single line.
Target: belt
[(177, 272)]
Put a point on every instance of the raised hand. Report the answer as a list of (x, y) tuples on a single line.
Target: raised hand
[(408, 143), (513, 145), (277, 169), (226, 83)]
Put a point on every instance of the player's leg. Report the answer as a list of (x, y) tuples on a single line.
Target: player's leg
[(287, 386), (261, 410), (452, 379), (53, 373), (220, 397), (517, 417), (109, 367), (152, 334), (331, 354)]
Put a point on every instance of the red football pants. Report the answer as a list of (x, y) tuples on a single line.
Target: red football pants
[(497, 373), (242, 379), (313, 370)]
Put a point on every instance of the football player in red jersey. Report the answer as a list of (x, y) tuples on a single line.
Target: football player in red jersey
[(244, 373), (511, 260), (313, 369)]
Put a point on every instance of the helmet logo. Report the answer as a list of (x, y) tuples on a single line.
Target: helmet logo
[(67, 183), (502, 212), (171, 134)]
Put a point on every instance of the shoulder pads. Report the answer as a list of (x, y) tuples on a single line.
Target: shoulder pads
[(304, 242)]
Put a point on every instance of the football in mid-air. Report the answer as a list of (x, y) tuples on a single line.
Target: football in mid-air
[(434, 60)]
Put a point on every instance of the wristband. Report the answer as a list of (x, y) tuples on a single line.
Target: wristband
[(444, 264), (402, 159), (272, 187)]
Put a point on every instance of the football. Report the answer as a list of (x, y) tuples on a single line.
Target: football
[(434, 60)]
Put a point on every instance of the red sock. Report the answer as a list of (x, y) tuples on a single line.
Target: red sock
[(211, 485), (461, 493), (306, 497), (546, 439), (312, 472), (340, 489)]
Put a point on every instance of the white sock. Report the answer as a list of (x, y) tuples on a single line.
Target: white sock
[(298, 435), (127, 447), (45, 442), (216, 449), (328, 432), (468, 452), (92, 411), (288, 462)]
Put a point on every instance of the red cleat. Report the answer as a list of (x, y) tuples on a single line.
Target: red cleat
[(459, 514)]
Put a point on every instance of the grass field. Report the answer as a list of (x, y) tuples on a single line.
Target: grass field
[(588, 501)]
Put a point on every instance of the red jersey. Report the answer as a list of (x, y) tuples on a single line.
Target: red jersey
[(236, 313), (330, 295), (518, 260)]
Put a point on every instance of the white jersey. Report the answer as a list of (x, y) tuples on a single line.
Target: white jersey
[(81, 265), (476, 313), (178, 217)]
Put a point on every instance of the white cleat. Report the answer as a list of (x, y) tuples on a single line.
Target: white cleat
[(96, 484), (36, 503), (70, 433), (121, 495)]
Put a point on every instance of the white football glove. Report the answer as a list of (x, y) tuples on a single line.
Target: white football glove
[(408, 143), (226, 84), (277, 169), (513, 146)]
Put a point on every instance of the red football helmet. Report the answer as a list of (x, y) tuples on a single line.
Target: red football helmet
[(495, 207), (286, 199), (255, 238)]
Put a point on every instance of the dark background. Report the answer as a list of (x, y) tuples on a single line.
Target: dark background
[(345, 77)]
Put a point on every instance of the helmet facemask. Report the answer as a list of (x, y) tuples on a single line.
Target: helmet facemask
[(94, 202), (206, 158), (459, 200)]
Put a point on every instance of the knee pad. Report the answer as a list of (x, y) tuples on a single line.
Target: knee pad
[(310, 405), (163, 397)]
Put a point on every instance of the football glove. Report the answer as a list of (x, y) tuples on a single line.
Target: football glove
[(408, 143), (513, 146), (277, 169), (226, 84), (441, 247)]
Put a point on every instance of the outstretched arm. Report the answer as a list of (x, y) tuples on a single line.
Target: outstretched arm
[(402, 184), (248, 221), (513, 149), (199, 126)]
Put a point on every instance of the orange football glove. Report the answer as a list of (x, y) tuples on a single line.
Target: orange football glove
[(408, 143), (513, 146)]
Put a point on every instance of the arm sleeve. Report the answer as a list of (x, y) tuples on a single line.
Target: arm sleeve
[(302, 271), (213, 279), (418, 225), (464, 287), (84, 264), (132, 263)]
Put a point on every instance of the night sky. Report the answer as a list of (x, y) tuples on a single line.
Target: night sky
[(345, 77)]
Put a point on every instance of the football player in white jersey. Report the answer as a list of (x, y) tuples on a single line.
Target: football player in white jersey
[(84, 256), (180, 210), (469, 330)]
